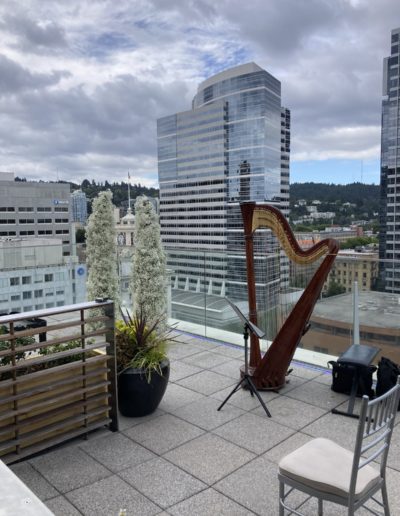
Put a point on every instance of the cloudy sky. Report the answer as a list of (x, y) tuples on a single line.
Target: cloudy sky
[(82, 82)]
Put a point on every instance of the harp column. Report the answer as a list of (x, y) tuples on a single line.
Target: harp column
[(247, 209)]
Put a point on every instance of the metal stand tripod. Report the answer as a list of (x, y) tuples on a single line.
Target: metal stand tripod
[(246, 379)]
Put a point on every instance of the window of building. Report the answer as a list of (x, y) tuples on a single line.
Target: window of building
[(49, 305), (16, 297), (7, 208), (25, 208), (59, 292), (39, 293), (14, 282), (61, 221), (26, 221), (44, 221), (60, 208), (26, 280), (48, 277), (27, 295), (3, 298), (26, 233), (43, 208), (39, 307)]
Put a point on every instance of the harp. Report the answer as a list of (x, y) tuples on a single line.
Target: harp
[(270, 370)]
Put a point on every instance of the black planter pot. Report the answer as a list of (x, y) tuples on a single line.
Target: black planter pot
[(136, 396)]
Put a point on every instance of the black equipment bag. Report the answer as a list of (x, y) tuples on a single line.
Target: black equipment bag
[(387, 375), (342, 379)]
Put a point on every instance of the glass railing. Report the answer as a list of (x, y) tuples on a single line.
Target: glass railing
[(201, 282), (35, 278)]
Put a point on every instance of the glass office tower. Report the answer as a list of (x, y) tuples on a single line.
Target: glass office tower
[(389, 233), (232, 146)]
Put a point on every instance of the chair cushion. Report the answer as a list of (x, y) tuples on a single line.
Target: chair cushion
[(325, 466)]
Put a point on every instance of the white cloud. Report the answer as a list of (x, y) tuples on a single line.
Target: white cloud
[(82, 82)]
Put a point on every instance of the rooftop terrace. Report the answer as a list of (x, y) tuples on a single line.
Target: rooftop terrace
[(188, 458)]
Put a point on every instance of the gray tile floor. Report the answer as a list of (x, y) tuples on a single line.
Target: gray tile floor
[(188, 458)]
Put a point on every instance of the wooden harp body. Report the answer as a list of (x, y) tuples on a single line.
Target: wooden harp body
[(269, 371)]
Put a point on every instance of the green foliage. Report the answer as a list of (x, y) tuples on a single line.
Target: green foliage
[(352, 243), (58, 348), (363, 199), (119, 190), (307, 227), (357, 193), (6, 344), (334, 289), (141, 345), (80, 236)]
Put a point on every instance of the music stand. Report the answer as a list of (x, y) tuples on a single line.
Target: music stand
[(246, 378)]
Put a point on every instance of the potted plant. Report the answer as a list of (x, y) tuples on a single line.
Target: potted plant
[(143, 365)]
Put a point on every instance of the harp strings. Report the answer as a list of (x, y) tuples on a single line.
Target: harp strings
[(289, 267)]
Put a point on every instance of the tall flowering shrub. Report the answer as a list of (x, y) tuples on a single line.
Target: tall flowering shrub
[(101, 250), (149, 275)]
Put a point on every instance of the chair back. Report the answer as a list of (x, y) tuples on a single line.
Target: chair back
[(375, 431)]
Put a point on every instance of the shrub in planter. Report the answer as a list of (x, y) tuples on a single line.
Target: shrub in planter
[(143, 365)]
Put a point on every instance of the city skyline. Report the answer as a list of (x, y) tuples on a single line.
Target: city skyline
[(84, 82)]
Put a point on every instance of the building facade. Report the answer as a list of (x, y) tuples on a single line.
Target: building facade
[(350, 266), (32, 210), (35, 275), (232, 146), (389, 233), (79, 206)]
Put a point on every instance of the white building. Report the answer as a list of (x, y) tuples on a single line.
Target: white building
[(36, 275)]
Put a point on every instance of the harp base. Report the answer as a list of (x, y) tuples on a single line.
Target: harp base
[(258, 382)]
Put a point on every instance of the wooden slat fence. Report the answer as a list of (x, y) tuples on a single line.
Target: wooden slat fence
[(50, 392)]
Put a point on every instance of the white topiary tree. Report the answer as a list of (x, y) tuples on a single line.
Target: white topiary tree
[(149, 275), (101, 250)]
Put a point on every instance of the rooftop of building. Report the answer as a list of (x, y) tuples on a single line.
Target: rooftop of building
[(190, 459), (358, 253), (230, 73), (377, 309)]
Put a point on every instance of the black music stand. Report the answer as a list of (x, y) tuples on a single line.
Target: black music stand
[(246, 378)]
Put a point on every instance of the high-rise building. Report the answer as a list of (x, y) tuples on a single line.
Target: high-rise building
[(79, 206), (389, 233), (232, 146)]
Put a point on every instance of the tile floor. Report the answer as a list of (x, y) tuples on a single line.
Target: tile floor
[(189, 459)]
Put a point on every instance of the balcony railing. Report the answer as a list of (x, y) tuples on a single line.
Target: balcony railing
[(57, 376), (201, 280)]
